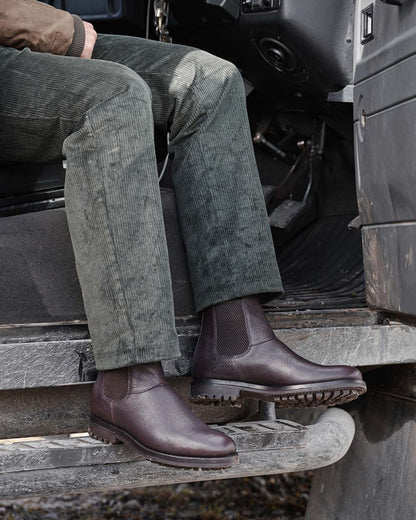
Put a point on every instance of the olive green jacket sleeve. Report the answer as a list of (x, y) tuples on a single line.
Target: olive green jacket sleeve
[(41, 27)]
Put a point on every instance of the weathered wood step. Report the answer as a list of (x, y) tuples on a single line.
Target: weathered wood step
[(47, 370), (63, 464), (66, 409), (39, 356)]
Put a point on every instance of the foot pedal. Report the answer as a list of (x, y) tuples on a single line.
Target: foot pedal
[(287, 213)]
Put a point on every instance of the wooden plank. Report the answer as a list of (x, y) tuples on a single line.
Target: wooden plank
[(53, 363), (33, 332), (390, 264), (326, 442), (355, 346), (190, 325), (329, 318), (43, 411), (66, 409)]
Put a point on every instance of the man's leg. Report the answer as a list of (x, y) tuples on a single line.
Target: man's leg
[(100, 114), (200, 99)]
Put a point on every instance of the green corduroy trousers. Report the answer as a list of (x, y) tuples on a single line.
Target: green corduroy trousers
[(100, 114)]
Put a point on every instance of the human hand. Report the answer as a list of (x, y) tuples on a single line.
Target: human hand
[(90, 38)]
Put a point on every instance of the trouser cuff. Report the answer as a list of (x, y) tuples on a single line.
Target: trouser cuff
[(134, 356), (266, 290)]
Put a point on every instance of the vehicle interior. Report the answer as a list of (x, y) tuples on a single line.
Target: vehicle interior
[(303, 141), (297, 61)]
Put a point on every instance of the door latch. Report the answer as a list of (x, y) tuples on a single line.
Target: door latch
[(367, 24), (393, 2)]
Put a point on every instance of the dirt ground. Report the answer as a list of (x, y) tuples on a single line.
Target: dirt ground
[(279, 497)]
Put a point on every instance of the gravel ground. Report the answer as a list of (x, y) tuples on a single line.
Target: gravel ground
[(279, 497)]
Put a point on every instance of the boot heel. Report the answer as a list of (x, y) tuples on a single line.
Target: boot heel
[(101, 432), (217, 392)]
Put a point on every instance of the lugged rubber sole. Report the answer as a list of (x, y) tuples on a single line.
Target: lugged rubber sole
[(110, 434), (328, 393)]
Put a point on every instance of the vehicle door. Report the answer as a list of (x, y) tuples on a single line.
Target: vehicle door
[(385, 145)]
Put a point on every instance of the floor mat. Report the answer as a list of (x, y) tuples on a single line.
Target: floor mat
[(322, 267)]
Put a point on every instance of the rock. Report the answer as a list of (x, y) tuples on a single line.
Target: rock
[(132, 504)]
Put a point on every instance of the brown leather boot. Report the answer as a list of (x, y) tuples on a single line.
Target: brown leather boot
[(238, 356), (135, 405)]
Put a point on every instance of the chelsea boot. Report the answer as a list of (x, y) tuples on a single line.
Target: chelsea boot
[(238, 355), (136, 405)]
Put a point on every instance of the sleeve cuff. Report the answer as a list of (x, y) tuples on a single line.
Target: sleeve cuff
[(78, 41)]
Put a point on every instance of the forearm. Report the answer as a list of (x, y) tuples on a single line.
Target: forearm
[(42, 28)]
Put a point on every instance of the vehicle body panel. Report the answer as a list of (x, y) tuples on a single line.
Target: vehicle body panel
[(385, 127)]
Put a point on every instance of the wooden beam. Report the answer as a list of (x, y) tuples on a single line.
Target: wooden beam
[(61, 362), (66, 409)]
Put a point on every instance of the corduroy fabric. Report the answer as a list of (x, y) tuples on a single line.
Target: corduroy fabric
[(100, 114)]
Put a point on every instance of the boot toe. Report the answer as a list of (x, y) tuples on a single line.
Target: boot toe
[(225, 445), (347, 372), (336, 373), (216, 444)]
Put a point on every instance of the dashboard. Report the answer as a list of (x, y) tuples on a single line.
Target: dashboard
[(298, 47)]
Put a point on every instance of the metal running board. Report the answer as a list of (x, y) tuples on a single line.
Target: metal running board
[(62, 464)]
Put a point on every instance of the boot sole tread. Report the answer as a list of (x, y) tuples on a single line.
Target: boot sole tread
[(232, 393)]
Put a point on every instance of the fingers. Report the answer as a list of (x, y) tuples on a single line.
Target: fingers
[(90, 39)]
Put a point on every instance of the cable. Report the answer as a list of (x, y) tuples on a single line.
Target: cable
[(148, 19), (166, 160), (167, 136)]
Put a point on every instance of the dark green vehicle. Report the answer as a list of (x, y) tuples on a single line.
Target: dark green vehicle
[(330, 97)]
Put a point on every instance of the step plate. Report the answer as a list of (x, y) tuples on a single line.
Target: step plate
[(60, 464), (64, 451)]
